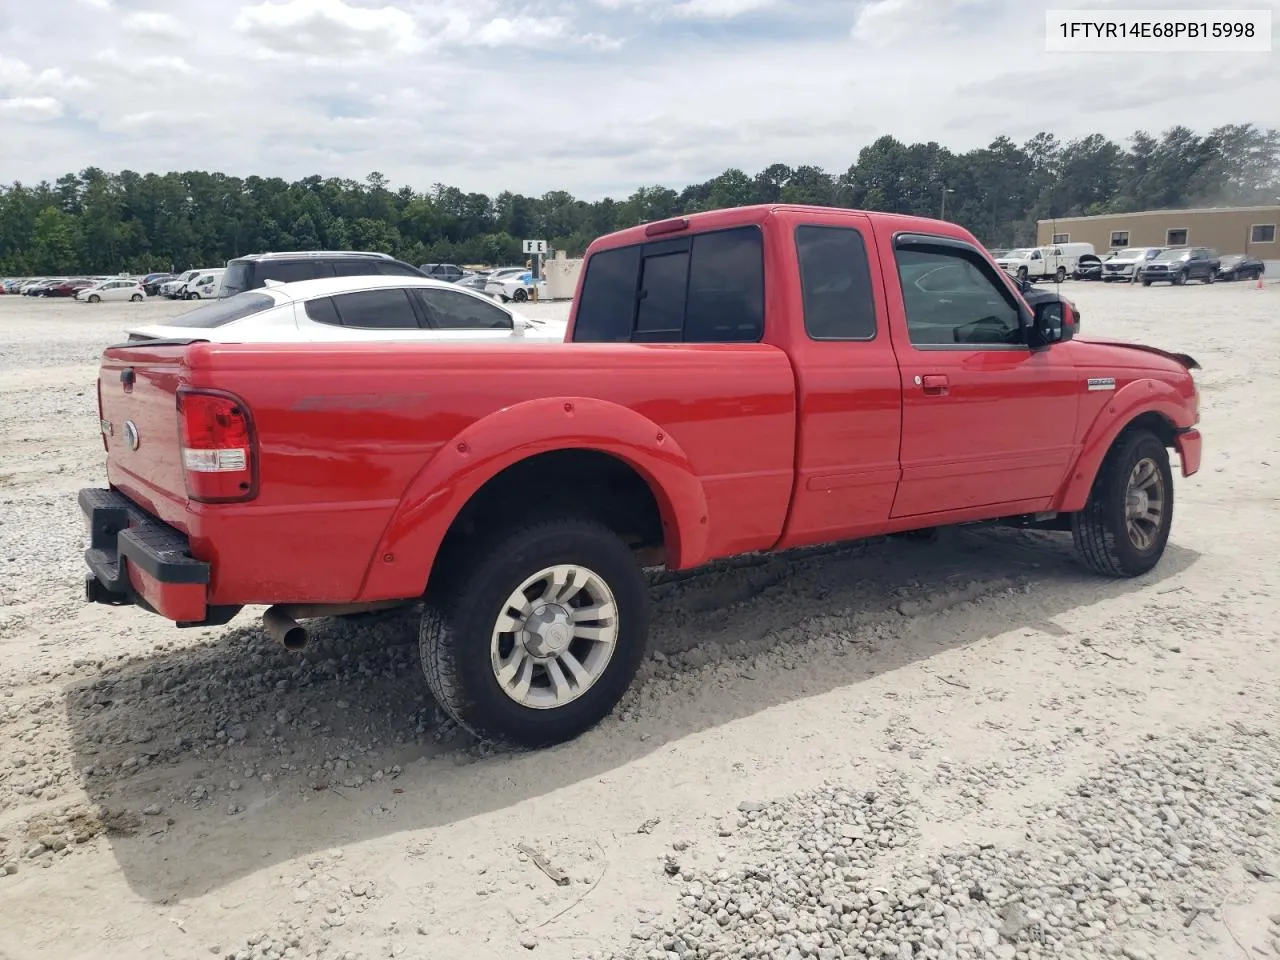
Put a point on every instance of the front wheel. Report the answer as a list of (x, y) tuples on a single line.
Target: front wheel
[(94, 298), (534, 637), (1022, 273), (1124, 527), (1179, 279)]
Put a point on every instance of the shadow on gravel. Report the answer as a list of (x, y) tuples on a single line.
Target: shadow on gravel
[(239, 755)]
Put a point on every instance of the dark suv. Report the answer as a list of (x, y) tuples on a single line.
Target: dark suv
[(1181, 264), (252, 271)]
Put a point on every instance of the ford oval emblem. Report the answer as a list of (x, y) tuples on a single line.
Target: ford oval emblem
[(131, 434)]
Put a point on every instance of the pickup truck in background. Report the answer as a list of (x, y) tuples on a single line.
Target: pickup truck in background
[(753, 379), (1056, 262)]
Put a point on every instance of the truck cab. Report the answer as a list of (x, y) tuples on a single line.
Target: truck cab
[(736, 381)]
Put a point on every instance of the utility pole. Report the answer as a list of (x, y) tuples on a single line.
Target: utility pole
[(945, 191)]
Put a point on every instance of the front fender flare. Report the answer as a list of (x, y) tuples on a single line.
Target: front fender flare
[(434, 498), (1129, 403)]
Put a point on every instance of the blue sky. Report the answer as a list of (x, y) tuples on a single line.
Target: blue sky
[(593, 96)]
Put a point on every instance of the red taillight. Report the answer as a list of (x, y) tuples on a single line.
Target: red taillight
[(674, 225), (218, 446)]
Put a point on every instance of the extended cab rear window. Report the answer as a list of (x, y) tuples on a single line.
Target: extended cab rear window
[(219, 312), (705, 288)]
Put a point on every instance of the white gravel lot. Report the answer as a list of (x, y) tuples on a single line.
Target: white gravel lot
[(963, 749)]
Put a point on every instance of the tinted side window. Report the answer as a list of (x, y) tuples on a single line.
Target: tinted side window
[(389, 268), (292, 272), (377, 309), (457, 311), (223, 310), (355, 268), (726, 287), (950, 299), (607, 307), (322, 310), (835, 276), (664, 280)]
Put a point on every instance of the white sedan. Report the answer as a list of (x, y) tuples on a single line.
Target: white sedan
[(112, 290), (514, 286), (365, 308)]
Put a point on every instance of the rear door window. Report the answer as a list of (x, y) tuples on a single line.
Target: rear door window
[(664, 283), (835, 279), (449, 310), (607, 307), (377, 309)]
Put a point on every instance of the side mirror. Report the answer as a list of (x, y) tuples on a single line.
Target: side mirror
[(1053, 321)]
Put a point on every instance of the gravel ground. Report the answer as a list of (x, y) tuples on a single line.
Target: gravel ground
[(962, 749)]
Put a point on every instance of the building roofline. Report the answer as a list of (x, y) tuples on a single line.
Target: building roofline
[(1274, 207)]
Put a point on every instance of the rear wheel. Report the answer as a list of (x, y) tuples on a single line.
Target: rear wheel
[(1209, 277), (520, 296), (136, 298), (1124, 527), (532, 638), (1060, 275)]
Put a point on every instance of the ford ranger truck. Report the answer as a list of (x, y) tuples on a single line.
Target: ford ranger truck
[(735, 381)]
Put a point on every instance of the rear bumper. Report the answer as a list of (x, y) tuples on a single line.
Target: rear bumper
[(134, 558), (1189, 442)]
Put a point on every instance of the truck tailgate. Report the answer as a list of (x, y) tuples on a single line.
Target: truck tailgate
[(137, 389)]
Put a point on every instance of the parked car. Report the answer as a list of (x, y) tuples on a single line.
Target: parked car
[(176, 288), (365, 308), (152, 282), (514, 286), (448, 272), (205, 285), (1088, 267), (518, 490), (253, 271), (1177, 265), (1236, 266), (1057, 261), (1127, 265), (35, 288), (112, 290), (67, 288)]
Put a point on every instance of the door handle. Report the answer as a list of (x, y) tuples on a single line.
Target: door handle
[(934, 384)]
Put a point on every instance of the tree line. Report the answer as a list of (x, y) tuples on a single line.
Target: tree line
[(99, 222)]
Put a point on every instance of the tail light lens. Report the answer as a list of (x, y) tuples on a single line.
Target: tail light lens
[(219, 448)]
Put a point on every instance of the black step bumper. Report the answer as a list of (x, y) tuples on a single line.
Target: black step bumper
[(135, 558)]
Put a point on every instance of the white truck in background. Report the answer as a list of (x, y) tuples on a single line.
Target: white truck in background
[(1055, 262)]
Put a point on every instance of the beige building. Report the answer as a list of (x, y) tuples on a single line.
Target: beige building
[(1248, 230)]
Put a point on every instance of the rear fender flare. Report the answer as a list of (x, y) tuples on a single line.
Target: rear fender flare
[(433, 500), (1130, 402)]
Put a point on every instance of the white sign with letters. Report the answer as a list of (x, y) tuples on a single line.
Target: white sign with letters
[(535, 246)]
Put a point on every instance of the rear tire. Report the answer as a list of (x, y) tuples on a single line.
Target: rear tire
[(1061, 275), (136, 298), (1124, 527), (520, 296), (464, 652)]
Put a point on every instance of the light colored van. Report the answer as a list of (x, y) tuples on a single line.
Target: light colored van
[(205, 286), (1055, 262)]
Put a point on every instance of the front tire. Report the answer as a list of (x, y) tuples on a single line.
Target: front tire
[(94, 298), (532, 638), (1124, 527), (1022, 273)]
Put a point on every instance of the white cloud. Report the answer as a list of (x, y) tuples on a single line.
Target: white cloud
[(720, 9), (156, 24), (30, 108), (156, 69), (327, 27), (98, 4), (509, 31)]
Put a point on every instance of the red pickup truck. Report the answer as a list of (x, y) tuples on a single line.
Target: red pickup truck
[(742, 380)]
